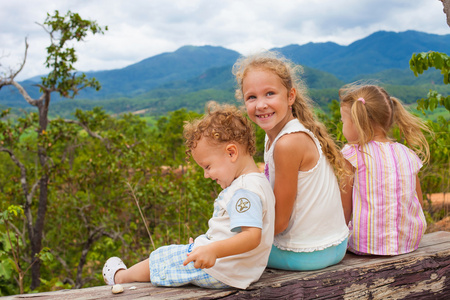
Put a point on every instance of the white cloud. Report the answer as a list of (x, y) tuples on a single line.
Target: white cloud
[(140, 29)]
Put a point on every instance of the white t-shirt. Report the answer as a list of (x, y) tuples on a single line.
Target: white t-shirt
[(317, 220), (248, 196)]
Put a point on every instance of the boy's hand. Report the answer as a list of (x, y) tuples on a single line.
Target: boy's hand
[(202, 257), (205, 256)]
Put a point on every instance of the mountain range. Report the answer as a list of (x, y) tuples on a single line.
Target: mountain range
[(192, 75)]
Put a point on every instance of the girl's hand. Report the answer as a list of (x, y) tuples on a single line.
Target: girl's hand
[(191, 240), (202, 257)]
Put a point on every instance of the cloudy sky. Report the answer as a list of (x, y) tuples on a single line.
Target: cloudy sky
[(139, 29)]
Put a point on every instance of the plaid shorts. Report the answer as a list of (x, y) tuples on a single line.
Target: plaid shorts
[(166, 269)]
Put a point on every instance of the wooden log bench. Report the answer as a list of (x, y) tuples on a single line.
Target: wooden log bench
[(423, 274)]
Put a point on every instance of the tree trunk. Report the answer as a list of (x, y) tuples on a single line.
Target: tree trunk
[(94, 235), (446, 4), (38, 228)]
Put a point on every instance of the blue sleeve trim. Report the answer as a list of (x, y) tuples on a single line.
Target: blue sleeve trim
[(245, 209)]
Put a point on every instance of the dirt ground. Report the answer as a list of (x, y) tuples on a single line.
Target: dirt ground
[(440, 204)]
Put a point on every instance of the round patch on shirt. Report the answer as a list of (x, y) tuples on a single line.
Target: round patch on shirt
[(242, 205)]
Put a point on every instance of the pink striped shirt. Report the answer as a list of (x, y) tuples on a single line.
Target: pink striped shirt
[(387, 216)]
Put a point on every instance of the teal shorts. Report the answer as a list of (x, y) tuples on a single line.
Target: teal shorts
[(306, 261)]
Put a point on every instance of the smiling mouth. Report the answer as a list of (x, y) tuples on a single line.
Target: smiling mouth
[(265, 116)]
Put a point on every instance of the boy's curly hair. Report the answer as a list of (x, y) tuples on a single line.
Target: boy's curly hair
[(222, 123)]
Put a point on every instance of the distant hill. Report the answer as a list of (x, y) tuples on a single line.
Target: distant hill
[(379, 51), (192, 75), (183, 64)]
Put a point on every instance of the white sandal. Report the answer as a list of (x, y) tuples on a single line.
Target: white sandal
[(112, 265)]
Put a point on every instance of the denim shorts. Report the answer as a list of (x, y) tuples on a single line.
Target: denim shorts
[(166, 269)]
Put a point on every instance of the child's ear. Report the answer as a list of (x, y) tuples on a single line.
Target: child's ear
[(232, 151), (292, 94)]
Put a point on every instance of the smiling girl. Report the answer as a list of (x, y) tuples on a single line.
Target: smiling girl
[(310, 229)]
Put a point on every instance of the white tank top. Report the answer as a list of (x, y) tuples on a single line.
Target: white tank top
[(317, 220)]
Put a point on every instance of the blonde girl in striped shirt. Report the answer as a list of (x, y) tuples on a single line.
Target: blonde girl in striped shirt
[(383, 200)]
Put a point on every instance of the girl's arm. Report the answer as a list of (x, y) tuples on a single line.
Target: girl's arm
[(347, 194), (205, 256), (293, 153), (419, 190)]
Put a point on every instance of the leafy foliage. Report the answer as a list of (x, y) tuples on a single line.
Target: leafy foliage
[(103, 170), (91, 213), (37, 161), (436, 175), (61, 57), (421, 62)]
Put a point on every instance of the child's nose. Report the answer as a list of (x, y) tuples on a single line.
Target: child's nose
[(261, 103)]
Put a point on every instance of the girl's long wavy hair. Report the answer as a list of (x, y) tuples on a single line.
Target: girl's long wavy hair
[(302, 109), (380, 110)]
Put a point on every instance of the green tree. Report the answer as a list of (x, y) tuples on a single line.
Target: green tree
[(95, 197), (92, 213), (14, 245), (436, 175), (419, 63), (64, 80), (170, 134)]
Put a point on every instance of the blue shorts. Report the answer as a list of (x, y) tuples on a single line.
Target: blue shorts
[(306, 261), (166, 269)]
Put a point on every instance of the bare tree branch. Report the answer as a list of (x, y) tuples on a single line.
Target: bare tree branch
[(25, 95), (23, 170), (10, 80), (29, 194), (45, 29), (12, 74), (62, 262), (67, 151), (86, 280), (18, 232), (24, 60), (91, 133)]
